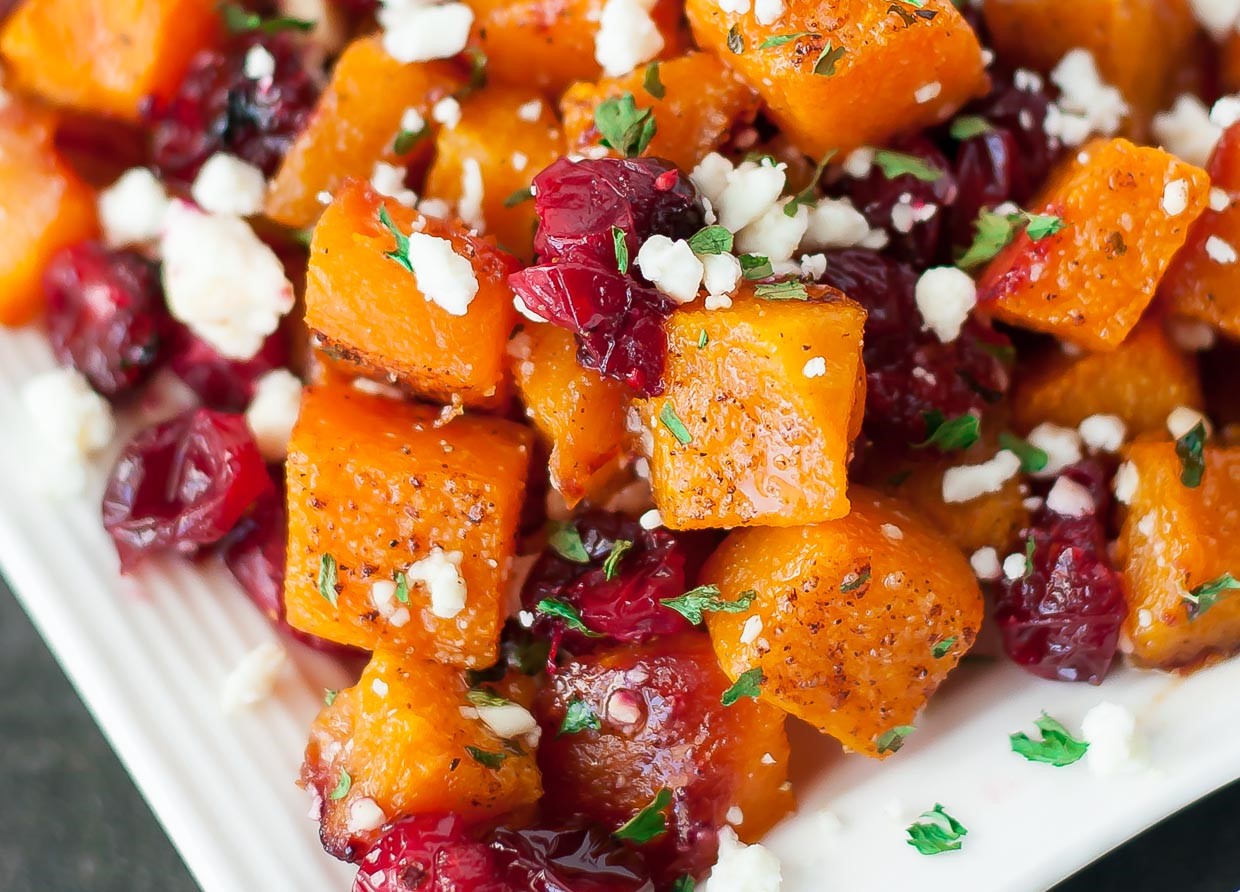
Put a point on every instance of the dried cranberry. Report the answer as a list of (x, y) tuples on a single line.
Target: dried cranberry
[(182, 484), (217, 108), (105, 315), (223, 383), (572, 858), (429, 853), (1062, 619)]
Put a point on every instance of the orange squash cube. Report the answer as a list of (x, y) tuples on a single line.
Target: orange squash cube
[(703, 103), (1203, 281), (1140, 381), (106, 56), (410, 743), (755, 427), (861, 618), (852, 78), (44, 206), (355, 125), (580, 412), (1176, 540), (376, 492), (367, 308), (485, 163), (1125, 210)]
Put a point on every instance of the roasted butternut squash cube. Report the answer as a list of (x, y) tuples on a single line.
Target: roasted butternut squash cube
[(824, 87), (1179, 550), (366, 306), (400, 531), (580, 412), (409, 742), (1203, 281), (1125, 211), (355, 125), (702, 104), (860, 618), (533, 43), (1140, 381), (756, 423), (44, 206), (484, 164), (105, 56)]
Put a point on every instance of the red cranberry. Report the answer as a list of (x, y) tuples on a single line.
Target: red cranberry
[(182, 484), (429, 853), (572, 858), (223, 383), (219, 109), (1062, 619), (105, 315)]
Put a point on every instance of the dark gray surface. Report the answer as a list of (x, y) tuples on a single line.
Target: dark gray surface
[(71, 820)]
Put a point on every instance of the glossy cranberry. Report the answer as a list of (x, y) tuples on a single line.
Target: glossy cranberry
[(1062, 619), (217, 108), (659, 564), (105, 315), (223, 383), (182, 484), (573, 858), (429, 853), (910, 372)]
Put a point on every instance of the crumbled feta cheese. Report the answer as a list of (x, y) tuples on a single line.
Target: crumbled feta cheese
[(720, 274), (734, 815), (1115, 744), (627, 36), (966, 482), (519, 161), (1062, 446), (907, 213), (508, 721), (365, 814), (440, 573), (444, 277), (70, 423), (1069, 498), (1218, 17), (945, 296), (739, 7), (259, 63), (380, 687), (1124, 485), (1026, 80), (1086, 104), (774, 234), (835, 223), (389, 179), (411, 121), (671, 266), (222, 280), (1225, 111), (1191, 334), (469, 206), (858, 162), (530, 111), (524, 310), (751, 630), (228, 185), (768, 12), (651, 520), (1175, 198), (273, 412), (1183, 419), (717, 302), (1186, 129), (1103, 433), (815, 367), (813, 266), (927, 92), (1220, 251), (1219, 199), (891, 531), (414, 32), (131, 210), (254, 678), (711, 176), (985, 564), (1015, 566), (742, 868), (750, 191), (447, 111)]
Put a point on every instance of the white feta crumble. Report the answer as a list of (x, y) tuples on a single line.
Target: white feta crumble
[(734, 815), (985, 564), (1218, 17), (389, 180), (1015, 566), (1225, 111), (742, 868), (1070, 499), (627, 36), (1062, 446), (273, 412), (1026, 80), (1103, 433), (965, 483), (380, 687), (222, 280), (907, 213), (524, 309), (711, 176), (70, 423), (1219, 199), (440, 573), (253, 678), (530, 111), (739, 7), (720, 275), (1186, 129), (1175, 198), (750, 191), (519, 161), (365, 814), (1086, 104), (945, 296), (1124, 485), (259, 63), (508, 720), (671, 266), (768, 12), (858, 162), (1183, 419), (415, 32), (228, 185), (444, 277), (815, 367), (774, 234), (927, 92), (1191, 334), (751, 630), (835, 223), (469, 206), (651, 520), (717, 302), (131, 210), (447, 111), (1115, 743), (411, 121), (1219, 250)]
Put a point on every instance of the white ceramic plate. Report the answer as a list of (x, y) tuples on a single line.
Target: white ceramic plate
[(149, 655)]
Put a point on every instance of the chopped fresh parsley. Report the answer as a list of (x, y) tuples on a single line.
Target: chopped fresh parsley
[(705, 599), (1032, 459), (943, 648), (994, 232), (1206, 595), (1190, 449), (401, 255), (670, 420), (1031, 548), (647, 823), (329, 696), (518, 197), (936, 832), (828, 58), (611, 566), (567, 613), (477, 71), (736, 43), (968, 126), (755, 266), (242, 21), (620, 245), (1039, 226), (747, 684), (651, 83), (342, 786), (810, 192), (896, 164), (791, 289), (711, 240), (892, 739), (780, 39), (565, 541), (623, 126), (402, 586), (407, 139), (579, 716), (684, 884), (484, 697), (1057, 747), (328, 578), (854, 581), (703, 339), (949, 434), (486, 758)]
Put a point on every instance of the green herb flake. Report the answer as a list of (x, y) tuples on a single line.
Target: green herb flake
[(623, 126), (854, 581), (579, 716), (1190, 449), (892, 739), (967, 126), (949, 435), (565, 541), (936, 832), (810, 193), (1057, 747), (620, 245), (827, 60), (328, 579), (670, 420), (705, 599), (342, 786), (1206, 595), (747, 684), (1039, 226), (736, 43), (486, 758), (943, 648), (684, 884), (648, 823), (791, 289), (611, 566), (407, 139), (651, 83), (329, 696), (402, 586), (1032, 459), (711, 240), (567, 613), (755, 266), (242, 21), (781, 39), (1031, 547), (401, 255), (895, 164), (484, 697), (477, 71), (518, 197), (703, 339), (991, 234)]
